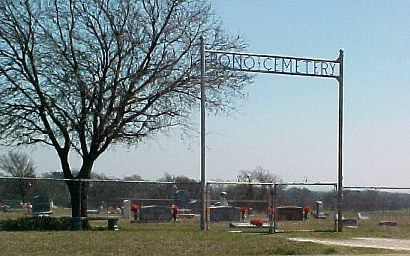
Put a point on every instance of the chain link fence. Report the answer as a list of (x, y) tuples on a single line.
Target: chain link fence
[(152, 200), (275, 207), (378, 207), (272, 207)]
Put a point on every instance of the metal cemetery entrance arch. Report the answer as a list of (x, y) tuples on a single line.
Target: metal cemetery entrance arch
[(272, 64)]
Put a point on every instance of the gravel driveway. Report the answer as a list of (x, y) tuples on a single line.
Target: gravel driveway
[(382, 243)]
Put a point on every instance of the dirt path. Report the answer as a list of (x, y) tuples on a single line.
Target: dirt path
[(382, 243)]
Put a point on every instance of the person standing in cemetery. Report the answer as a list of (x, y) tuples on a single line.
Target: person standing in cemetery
[(174, 210), (136, 210), (306, 211), (244, 211)]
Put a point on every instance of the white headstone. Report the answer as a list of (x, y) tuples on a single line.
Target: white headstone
[(222, 199), (126, 212)]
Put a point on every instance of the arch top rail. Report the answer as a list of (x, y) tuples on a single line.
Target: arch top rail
[(277, 64)]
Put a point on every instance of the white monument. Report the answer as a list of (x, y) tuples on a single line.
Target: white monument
[(126, 211)]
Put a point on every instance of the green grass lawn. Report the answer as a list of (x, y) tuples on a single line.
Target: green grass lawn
[(183, 238)]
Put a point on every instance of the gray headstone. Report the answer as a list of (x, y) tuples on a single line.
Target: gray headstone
[(319, 207), (388, 223), (155, 213), (319, 213), (349, 222), (225, 213), (289, 213), (41, 204), (222, 199)]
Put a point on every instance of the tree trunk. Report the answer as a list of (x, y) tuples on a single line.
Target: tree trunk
[(78, 196), (23, 187), (79, 192)]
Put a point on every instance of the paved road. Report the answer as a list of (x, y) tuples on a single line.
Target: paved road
[(382, 243)]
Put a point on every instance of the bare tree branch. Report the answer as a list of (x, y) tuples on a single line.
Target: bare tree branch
[(80, 75)]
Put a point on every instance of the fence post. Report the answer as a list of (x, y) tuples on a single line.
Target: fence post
[(79, 203), (207, 204), (275, 205), (271, 205), (203, 175), (340, 148)]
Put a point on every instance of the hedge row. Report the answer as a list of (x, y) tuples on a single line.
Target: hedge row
[(36, 223)]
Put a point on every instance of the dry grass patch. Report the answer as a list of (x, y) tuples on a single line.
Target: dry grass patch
[(161, 239)]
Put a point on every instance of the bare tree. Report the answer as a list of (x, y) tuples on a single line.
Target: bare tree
[(80, 75), (17, 164), (133, 177), (259, 174)]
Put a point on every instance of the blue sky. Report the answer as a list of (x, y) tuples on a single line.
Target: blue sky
[(289, 124), (297, 117)]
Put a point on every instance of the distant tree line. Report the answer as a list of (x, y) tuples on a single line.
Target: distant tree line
[(371, 200)]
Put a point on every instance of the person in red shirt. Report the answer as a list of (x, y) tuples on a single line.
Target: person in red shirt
[(306, 211), (136, 210), (244, 211), (174, 210)]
